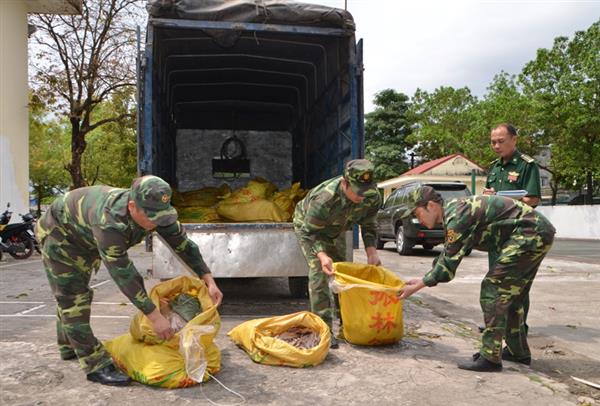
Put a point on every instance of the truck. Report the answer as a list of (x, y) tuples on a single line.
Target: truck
[(233, 90)]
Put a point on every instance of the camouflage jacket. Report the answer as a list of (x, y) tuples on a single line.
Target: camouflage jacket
[(96, 220), (326, 212), (484, 223)]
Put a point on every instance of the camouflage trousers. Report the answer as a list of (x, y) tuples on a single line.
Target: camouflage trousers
[(322, 300), (69, 270), (504, 296)]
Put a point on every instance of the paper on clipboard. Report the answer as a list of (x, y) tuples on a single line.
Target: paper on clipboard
[(512, 193)]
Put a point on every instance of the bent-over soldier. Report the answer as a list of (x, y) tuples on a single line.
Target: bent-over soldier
[(100, 223), (320, 222), (517, 239)]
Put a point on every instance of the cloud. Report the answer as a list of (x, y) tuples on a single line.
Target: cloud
[(427, 44)]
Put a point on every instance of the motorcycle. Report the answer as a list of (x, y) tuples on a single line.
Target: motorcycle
[(18, 239)]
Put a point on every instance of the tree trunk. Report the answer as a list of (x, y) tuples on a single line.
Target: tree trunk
[(590, 189), (38, 193), (554, 187), (78, 145)]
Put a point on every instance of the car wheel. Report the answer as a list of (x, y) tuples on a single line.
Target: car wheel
[(403, 246), (428, 246), (379, 244)]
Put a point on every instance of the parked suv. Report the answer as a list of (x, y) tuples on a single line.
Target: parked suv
[(408, 232)]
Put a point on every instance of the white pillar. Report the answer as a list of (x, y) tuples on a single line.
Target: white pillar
[(14, 112)]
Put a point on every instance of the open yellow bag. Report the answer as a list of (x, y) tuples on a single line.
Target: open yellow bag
[(147, 359), (256, 337), (371, 311)]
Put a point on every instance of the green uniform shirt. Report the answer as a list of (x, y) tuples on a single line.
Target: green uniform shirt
[(326, 212), (486, 223), (519, 173), (96, 220)]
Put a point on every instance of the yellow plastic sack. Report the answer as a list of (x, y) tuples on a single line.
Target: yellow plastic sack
[(141, 327), (371, 311), (286, 199), (198, 215), (149, 360), (256, 337), (205, 197), (257, 211), (164, 366)]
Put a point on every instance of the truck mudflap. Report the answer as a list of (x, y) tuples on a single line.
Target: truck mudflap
[(239, 250)]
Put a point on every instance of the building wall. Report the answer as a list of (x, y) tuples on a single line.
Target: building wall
[(14, 127), (574, 221)]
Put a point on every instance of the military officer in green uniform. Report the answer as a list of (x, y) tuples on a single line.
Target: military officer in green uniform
[(97, 224), (517, 239), (320, 222), (512, 170)]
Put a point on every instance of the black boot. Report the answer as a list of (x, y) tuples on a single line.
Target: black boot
[(507, 356), (66, 356), (109, 376), (480, 364), (333, 343)]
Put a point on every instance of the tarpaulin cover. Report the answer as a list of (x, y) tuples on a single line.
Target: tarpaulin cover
[(249, 11)]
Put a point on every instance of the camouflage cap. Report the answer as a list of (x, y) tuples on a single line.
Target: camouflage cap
[(419, 197), (153, 195), (359, 173)]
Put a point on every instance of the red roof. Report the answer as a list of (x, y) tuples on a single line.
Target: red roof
[(419, 170)]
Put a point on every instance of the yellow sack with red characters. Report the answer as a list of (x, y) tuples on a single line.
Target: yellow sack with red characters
[(187, 358), (258, 338), (371, 311)]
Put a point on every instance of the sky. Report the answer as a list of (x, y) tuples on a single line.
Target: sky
[(410, 44)]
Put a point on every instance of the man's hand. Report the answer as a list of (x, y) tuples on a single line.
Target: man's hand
[(326, 263), (372, 256), (213, 290), (160, 324), (490, 191), (412, 286)]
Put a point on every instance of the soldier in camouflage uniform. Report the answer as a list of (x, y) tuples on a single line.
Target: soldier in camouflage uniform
[(513, 170), (320, 222), (517, 239), (100, 223)]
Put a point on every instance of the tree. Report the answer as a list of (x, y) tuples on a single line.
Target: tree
[(503, 102), (564, 85), (442, 119), (82, 61), (111, 155), (48, 142), (386, 131)]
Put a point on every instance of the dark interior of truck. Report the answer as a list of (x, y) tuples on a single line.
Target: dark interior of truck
[(258, 80)]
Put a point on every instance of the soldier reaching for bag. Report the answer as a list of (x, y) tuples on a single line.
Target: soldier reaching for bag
[(517, 239), (320, 221), (100, 223)]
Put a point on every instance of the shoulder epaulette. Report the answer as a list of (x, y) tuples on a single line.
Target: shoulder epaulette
[(527, 158)]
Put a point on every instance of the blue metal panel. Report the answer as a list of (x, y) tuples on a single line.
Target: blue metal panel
[(147, 134), (238, 26)]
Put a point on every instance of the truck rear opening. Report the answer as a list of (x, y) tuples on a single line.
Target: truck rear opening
[(233, 91)]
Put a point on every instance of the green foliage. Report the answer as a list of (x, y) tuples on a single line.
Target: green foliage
[(48, 153), (111, 154), (386, 131), (442, 119), (563, 84)]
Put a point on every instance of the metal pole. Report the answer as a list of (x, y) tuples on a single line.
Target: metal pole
[(473, 181)]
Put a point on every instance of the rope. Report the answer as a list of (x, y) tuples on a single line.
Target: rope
[(227, 389)]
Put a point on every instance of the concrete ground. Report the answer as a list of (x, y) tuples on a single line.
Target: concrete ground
[(440, 330)]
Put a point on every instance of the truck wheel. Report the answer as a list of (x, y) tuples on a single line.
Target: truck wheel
[(403, 245), (298, 286), (428, 246)]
